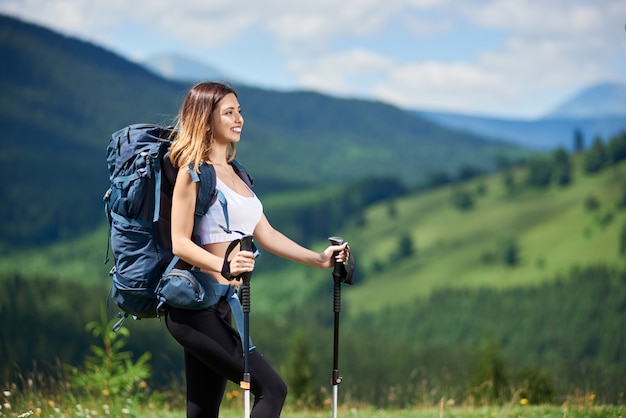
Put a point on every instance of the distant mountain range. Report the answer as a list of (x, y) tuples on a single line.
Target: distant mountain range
[(179, 68), (541, 134), (599, 110), (62, 99), (605, 100)]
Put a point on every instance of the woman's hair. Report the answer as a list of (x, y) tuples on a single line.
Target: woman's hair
[(194, 136)]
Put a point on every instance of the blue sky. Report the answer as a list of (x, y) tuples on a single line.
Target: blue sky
[(507, 58)]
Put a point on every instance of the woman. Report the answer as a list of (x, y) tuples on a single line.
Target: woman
[(209, 127)]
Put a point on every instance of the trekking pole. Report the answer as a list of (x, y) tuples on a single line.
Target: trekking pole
[(246, 245), (338, 276)]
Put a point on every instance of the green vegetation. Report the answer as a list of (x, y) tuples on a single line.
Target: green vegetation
[(477, 294), (520, 296), (63, 98), (76, 408), (111, 371), (113, 386), (541, 232)]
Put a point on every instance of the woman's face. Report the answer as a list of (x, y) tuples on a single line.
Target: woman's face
[(227, 120)]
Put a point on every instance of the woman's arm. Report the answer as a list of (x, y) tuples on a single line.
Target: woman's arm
[(183, 218), (275, 242)]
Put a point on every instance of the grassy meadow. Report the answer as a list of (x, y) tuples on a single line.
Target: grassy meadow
[(554, 230), (70, 407)]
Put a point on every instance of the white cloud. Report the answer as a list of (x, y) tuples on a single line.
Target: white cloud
[(545, 49), (553, 48), (340, 72), (457, 86), (539, 18)]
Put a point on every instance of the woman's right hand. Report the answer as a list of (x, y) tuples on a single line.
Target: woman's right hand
[(242, 262)]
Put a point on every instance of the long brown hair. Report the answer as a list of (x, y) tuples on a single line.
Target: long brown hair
[(194, 137)]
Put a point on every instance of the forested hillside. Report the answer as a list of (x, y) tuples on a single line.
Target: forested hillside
[(474, 286), (512, 281), (62, 98)]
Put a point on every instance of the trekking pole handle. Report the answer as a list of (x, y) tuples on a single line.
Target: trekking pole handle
[(245, 245), (337, 271), (337, 275)]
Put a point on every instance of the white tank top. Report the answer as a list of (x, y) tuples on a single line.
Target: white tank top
[(244, 213)]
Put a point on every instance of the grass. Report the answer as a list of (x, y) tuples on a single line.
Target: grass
[(68, 406), (552, 229)]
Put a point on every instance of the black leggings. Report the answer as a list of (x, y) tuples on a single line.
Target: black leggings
[(213, 355)]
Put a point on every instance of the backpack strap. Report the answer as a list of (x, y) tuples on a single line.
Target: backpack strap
[(242, 173), (157, 189), (206, 196), (207, 192)]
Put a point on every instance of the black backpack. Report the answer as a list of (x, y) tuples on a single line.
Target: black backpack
[(138, 207)]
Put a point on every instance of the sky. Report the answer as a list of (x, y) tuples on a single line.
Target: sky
[(503, 58)]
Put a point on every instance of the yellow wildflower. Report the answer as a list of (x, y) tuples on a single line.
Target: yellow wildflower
[(523, 401)]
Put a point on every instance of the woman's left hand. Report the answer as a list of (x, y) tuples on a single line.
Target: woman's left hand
[(343, 253)]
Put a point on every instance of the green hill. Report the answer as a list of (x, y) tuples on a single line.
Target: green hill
[(550, 231), (526, 280), (62, 98), (499, 273)]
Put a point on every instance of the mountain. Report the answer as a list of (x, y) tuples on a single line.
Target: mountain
[(541, 134), (597, 111), (178, 68), (62, 98), (606, 100)]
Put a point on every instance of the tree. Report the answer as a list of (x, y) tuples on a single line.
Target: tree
[(111, 371), (405, 247), (435, 179), (539, 172), (579, 141), (592, 203), (562, 167), (462, 199), (489, 379), (510, 252), (616, 148), (467, 172), (595, 157)]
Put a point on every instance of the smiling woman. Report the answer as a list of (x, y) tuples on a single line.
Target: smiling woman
[(209, 127)]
